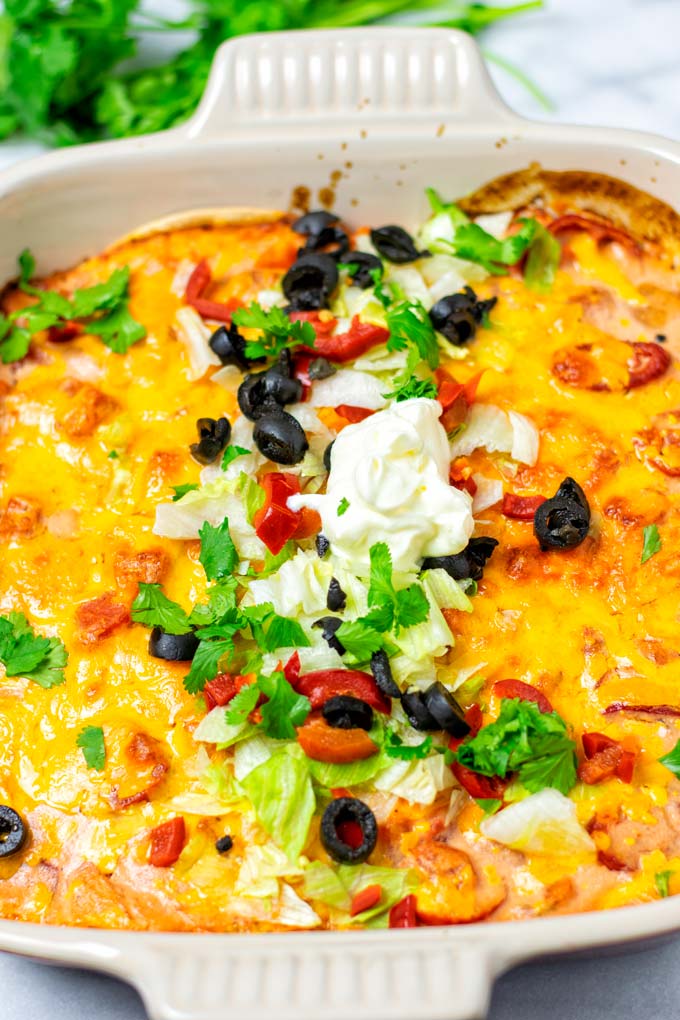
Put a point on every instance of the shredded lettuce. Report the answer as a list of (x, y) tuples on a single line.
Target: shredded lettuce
[(263, 866), (280, 790), (337, 887)]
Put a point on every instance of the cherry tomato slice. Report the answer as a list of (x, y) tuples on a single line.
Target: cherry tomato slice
[(525, 692), (167, 842), (479, 787), (323, 684), (520, 508), (365, 899), (403, 913), (322, 742)]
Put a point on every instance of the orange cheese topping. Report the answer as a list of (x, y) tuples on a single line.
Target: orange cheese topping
[(92, 441)]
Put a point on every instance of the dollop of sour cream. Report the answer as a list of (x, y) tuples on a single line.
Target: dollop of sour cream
[(389, 482)]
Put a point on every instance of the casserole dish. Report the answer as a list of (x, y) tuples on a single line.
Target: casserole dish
[(334, 113)]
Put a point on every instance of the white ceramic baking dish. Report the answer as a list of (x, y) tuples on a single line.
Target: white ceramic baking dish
[(375, 115)]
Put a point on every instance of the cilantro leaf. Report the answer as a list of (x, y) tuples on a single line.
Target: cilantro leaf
[(527, 741), (27, 267), (543, 259), (343, 506), (279, 632), (396, 748), (284, 709), (410, 327), (221, 603), (153, 608), (474, 244), (278, 332), (243, 704), (118, 330), (672, 760), (218, 554), (91, 742), (391, 608), (181, 490), (206, 662), (651, 542), (359, 639), (24, 653), (231, 454), (412, 387)]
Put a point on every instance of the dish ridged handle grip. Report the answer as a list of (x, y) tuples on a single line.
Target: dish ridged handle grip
[(277, 81), (300, 980)]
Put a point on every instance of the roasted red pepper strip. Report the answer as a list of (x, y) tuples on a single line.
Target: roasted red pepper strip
[(322, 742), (365, 899), (358, 339), (322, 327), (167, 842), (479, 787), (274, 523), (323, 684), (353, 414), (520, 508), (193, 295), (309, 523), (403, 913), (525, 692)]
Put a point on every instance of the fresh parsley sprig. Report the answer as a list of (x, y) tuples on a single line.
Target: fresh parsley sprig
[(27, 654), (102, 310), (410, 328), (281, 712), (533, 744), (391, 608), (278, 332)]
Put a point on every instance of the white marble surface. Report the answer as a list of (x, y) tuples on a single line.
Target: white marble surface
[(610, 62)]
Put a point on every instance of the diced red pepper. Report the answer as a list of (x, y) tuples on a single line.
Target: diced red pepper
[(594, 742), (322, 742), (525, 692), (605, 758), (353, 414), (478, 786), (449, 391), (626, 766), (62, 334), (193, 295), (365, 899), (309, 523), (358, 339), (521, 508), (403, 913), (322, 684), (220, 690), (167, 842), (274, 523), (291, 670)]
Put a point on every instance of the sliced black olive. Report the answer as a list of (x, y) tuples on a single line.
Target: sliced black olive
[(365, 262), (382, 674), (213, 436), (327, 455), (345, 712), (13, 831), (332, 241), (280, 437), (230, 347), (563, 521), (458, 315), (417, 711), (468, 563), (328, 625), (224, 844), (320, 368), (322, 545), (338, 827), (261, 391), (310, 281), (336, 598), (172, 647), (314, 223), (443, 707), (395, 244)]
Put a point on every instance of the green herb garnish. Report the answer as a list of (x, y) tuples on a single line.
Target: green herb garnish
[(396, 748), (391, 608), (651, 542), (231, 454), (25, 653), (153, 608), (662, 883), (181, 490), (672, 760), (91, 742), (278, 332), (343, 506)]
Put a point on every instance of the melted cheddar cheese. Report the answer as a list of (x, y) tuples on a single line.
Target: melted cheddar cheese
[(91, 442)]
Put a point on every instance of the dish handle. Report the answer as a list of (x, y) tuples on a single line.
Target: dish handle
[(305, 80), (399, 977)]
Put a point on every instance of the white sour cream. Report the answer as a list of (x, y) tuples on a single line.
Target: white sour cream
[(391, 471)]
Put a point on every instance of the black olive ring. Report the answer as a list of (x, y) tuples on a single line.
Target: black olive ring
[(563, 521), (345, 712), (340, 811), (172, 647), (13, 831)]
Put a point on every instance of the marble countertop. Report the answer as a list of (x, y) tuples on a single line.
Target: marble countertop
[(612, 62)]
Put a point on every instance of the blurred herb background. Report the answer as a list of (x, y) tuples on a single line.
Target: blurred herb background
[(70, 69)]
